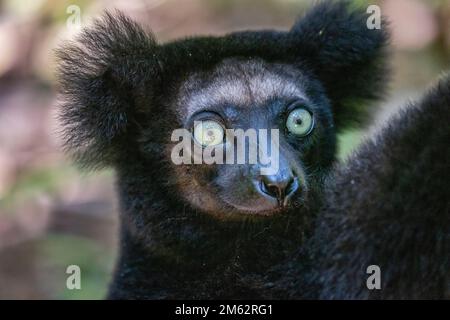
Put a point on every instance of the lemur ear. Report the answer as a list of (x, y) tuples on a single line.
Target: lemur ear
[(347, 57), (101, 75)]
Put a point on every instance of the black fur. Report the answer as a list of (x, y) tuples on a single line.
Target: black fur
[(389, 205), (100, 75), (118, 87)]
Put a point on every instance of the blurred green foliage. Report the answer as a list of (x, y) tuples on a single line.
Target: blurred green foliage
[(57, 251)]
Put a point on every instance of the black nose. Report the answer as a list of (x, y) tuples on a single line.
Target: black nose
[(279, 186)]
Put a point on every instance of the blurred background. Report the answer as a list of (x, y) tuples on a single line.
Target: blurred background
[(53, 215)]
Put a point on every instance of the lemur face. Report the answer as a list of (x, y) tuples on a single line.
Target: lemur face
[(244, 99), (125, 96)]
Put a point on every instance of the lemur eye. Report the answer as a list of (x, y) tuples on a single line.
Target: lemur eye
[(208, 133), (300, 122)]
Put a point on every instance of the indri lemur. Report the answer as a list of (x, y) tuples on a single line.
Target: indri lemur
[(226, 231)]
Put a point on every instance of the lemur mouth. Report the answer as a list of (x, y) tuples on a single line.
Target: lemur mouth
[(270, 200), (265, 208)]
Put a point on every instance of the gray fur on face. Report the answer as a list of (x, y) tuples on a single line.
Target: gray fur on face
[(242, 83)]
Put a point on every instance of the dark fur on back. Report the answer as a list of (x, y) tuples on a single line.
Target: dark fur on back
[(389, 205)]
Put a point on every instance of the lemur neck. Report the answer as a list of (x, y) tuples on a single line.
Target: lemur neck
[(175, 257), (176, 232), (166, 244)]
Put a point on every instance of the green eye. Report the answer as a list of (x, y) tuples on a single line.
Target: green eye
[(208, 133), (300, 122)]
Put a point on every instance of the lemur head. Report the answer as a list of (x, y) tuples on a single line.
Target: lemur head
[(126, 98), (239, 108)]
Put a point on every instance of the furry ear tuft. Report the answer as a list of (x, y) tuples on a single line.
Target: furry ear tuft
[(98, 76), (347, 57)]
